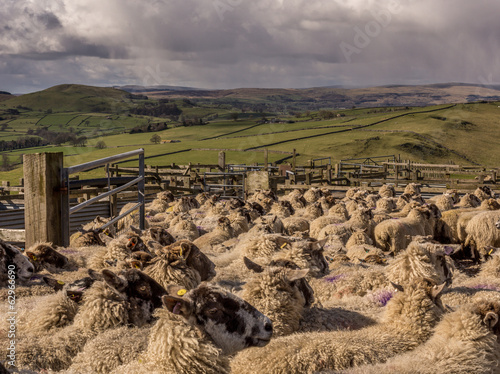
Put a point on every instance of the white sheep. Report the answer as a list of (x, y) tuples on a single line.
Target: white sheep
[(465, 341), (410, 317), (482, 232)]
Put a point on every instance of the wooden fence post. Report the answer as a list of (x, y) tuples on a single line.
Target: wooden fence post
[(42, 197), (222, 161)]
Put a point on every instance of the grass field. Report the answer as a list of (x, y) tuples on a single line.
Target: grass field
[(465, 134)]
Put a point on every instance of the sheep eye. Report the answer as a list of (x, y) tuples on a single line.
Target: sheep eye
[(212, 311)]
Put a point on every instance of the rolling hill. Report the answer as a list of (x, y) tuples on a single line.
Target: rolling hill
[(72, 98)]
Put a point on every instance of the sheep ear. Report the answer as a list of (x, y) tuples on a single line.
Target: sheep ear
[(293, 275), (185, 250), (136, 230), (76, 296), (319, 244), (114, 280), (252, 265), (55, 284), (436, 290), (491, 319), (31, 256), (95, 275), (398, 287), (105, 238), (135, 264), (177, 305)]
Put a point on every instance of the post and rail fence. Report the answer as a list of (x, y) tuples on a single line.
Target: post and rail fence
[(48, 192)]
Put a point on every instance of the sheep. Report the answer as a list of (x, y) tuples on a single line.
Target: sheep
[(444, 202), (116, 250), (183, 228), (161, 203), (327, 201), (294, 225), (13, 265), (413, 189), (280, 293), (465, 341), (44, 256), (387, 190), (170, 266), (497, 224), (128, 298), (421, 259), (282, 209), (339, 211), (223, 232), (110, 349), (240, 220), (448, 228), (483, 193), (312, 195), (360, 245), (197, 332), (481, 230), (319, 223), (464, 218), (306, 254), (409, 319), (394, 235), (361, 219), (469, 201), (268, 221)]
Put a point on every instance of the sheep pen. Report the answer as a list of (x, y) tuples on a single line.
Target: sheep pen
[(304, 282)]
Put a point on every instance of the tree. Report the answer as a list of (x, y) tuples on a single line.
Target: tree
[(101, 145), (234, 116), (6, 164), (155, 139)]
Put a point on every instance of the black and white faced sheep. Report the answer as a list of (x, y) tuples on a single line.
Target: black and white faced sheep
[(195, 333), (13, 264), (497, 224), (121, 299), (409, 320)]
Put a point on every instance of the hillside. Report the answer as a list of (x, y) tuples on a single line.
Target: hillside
[(331, 97), (72, 98)]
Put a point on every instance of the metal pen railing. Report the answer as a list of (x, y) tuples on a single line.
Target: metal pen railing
[(139, 181)]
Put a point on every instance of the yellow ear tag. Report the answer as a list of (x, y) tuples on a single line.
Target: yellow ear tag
[(171, 209), (181, 292), (180, 252), (60, 282), (283, 246), (34, 258), (491, 251), (137, 266)]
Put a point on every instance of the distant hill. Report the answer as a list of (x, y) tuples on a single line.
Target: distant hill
[(5, 95), (72, 97), (132, 88), (317, 97)]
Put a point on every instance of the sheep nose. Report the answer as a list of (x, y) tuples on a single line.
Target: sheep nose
[(268, 327)]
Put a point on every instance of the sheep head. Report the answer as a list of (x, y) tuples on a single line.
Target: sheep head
[(186, 251), (43, 255), (232, 323), (142, 292)]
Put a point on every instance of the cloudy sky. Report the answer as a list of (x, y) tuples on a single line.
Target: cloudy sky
[(247, 43)]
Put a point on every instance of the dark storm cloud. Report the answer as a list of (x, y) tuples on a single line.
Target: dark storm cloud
[(267, 43)]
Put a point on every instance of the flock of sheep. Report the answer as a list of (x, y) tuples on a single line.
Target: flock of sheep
[(303, 283)]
